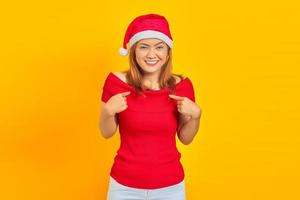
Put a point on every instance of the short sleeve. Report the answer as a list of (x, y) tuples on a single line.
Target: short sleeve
[(189, 90), (106, 90)]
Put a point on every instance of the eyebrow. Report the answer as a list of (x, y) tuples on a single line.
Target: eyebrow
[(148, 45)]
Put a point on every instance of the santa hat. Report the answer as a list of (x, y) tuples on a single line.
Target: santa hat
[(147, 26)]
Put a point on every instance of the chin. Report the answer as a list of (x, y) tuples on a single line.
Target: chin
[(147, 70), (150, 69)]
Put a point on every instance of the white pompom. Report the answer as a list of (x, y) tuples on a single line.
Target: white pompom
[(123, 52)]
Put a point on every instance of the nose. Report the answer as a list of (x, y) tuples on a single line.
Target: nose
[(151, 53)]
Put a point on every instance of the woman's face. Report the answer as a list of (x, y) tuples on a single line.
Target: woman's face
[(151, 54)]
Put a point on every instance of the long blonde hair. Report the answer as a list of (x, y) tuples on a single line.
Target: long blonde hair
[(134, 73)]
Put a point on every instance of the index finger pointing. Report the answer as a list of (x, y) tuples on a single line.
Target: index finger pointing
[(176, 97), (125, 93)]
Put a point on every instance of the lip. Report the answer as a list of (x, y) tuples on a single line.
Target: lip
[(156, 61)]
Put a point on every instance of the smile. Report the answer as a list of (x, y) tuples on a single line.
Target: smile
[(151, 62)]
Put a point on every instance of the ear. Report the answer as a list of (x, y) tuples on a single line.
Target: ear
[(168, 56), (169, 51)]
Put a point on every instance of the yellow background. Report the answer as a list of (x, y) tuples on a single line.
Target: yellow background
[(243, 59)]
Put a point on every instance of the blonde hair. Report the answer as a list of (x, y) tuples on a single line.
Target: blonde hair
[(134, 73)]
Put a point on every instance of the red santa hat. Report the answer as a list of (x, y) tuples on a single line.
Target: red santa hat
[(147, 26)]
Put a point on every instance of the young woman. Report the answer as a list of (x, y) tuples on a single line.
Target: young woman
[(150, 105)]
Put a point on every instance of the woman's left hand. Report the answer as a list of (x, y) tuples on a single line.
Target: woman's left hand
[(187, 107)]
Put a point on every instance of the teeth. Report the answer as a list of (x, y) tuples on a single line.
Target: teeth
[(151, 62)]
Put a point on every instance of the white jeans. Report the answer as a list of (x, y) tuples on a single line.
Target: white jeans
[(117, 191)]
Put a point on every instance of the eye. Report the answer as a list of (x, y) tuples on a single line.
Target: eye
[(142, 47), (160, 47)]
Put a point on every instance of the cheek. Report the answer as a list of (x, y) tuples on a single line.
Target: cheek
[(163, 55), (139, 59), (140, 55)]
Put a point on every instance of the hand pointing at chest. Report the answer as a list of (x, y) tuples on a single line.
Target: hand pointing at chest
[(117, 103), (186, 106)]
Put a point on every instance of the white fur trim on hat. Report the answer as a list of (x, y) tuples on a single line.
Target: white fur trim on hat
[(123, 52), (150, 34)]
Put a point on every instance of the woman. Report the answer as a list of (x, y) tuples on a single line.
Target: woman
[(149, 104)]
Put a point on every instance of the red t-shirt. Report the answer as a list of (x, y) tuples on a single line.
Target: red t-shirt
[(148, 157)]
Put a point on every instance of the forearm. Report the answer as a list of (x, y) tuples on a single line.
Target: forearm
[(108, 123), (189, 130)]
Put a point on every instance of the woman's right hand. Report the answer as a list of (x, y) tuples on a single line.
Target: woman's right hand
[(117, 103)]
